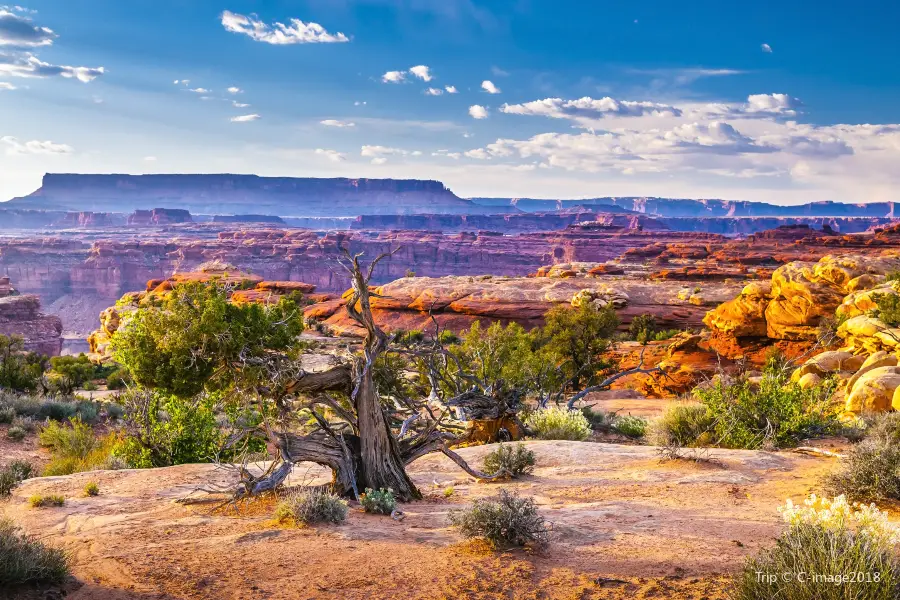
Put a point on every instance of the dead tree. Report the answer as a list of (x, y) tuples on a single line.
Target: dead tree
[(359, 445)]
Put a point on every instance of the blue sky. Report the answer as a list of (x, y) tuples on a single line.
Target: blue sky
[(783, 102)]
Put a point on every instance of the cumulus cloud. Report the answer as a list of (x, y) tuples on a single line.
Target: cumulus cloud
[(590, 108), (20, 31), (447, 154), (297, 32), (7, 86), (479, 154), (422, 72), (245, 118), (332, 155), (14, 146), (235, 90), (237, 104), (380, 151), (433, 92), (182, 82), (758, 106), (393, 77), (358, 103), (200, 90), (337, 123), (476, 111), (489, 87), (24, 64), (766, 48), (451, 89)]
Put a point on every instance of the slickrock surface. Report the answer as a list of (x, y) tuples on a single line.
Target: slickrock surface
[(625, 526)]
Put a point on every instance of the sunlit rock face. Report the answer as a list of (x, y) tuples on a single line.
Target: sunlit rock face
[(22, 316)]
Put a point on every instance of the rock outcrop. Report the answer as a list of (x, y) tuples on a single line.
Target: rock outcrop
[(21, 316), (159, 216)]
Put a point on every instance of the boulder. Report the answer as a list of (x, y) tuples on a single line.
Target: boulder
[(744, 316), (799, 302), (874, 391), (874, 361), (809, 380), (828, 362)]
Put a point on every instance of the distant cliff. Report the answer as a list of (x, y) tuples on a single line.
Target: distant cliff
[(680, 207), (244, 194)]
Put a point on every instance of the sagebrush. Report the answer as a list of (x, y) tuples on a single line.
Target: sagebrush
[(871, 469), (559, 423), (515, 460), (312, 506), (505, 521), (24, 559)]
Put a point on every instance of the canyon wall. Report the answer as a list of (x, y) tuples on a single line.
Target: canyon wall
[(21, 316)]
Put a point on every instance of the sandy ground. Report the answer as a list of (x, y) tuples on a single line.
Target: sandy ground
[(625, 526)]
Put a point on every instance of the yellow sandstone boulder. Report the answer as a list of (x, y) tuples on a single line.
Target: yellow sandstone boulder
[(874, 391)]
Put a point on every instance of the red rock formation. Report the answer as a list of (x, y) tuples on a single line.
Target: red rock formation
[(21, 316), (159, 216)]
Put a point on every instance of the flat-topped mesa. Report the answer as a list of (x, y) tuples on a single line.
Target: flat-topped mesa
[(245, 194), (160, 216), (22, 316)]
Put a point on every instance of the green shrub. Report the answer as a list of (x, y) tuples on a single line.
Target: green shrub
[(682, 425), (19, 370), (25, 423), (38, 501), (92, 489), (776, 412), (67, 373), (7, 414), (87, 411), (633, 427), (888, 308), (13, 474), (558, 423), (16, 434), (28, 406), (76, 449), (25, 559), (57, 410), (114, 411), (505, 521), (516, 461), (599, 420), (118, 379), (312, 506), (871, 470), (642, 328), (665, 334), (380, 502), (841, 543)]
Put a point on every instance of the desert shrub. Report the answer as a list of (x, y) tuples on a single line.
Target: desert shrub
[(118, 379), (7, 414), (25, 559), (505, 521), (826, 539), (642, 328), (166, 430), (87, 411), (13, 474), (776, 412), (75, 449), (665, 334), (57, 410), (681, 425), (515, 460), (25, 405), (16, 434), (92, 489), (448, 337), (53, 500), (633, 427), (114, 411), (26, 423), (888, 308), (871, 470), (599, 420), (559, 423), (380, 502), (19, 370), (69, 372), (826, 334), (312, 506)]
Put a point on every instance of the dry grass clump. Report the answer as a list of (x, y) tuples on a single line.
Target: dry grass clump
[(871, 470), (24, 559), (515, 460), (559, 423), (505, 521), (312, 506), (52, 500), (13, 474), (76, 449)]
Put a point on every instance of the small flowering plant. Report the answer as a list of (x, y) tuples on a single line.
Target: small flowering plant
[(839, 515)]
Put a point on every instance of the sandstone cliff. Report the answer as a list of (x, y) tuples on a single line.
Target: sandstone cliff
[(21, 315)]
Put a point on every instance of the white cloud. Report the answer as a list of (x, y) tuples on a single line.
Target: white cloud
[(379, 161), (489, 87), (358, 103), (336, 123), (590, 108), (237, 104), (14, 146), (479, 153), (448, 154), (422, 72), (297, 32), (182, 82), (478, 112), (21, 32), (393, 76), (766, 48), (24, 64), (758, 106), (332, 155), (451, 89), (244, 118), (200, 90), (7, 86), (149, 159), (433, 92), (376, 151), (235, 90)]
